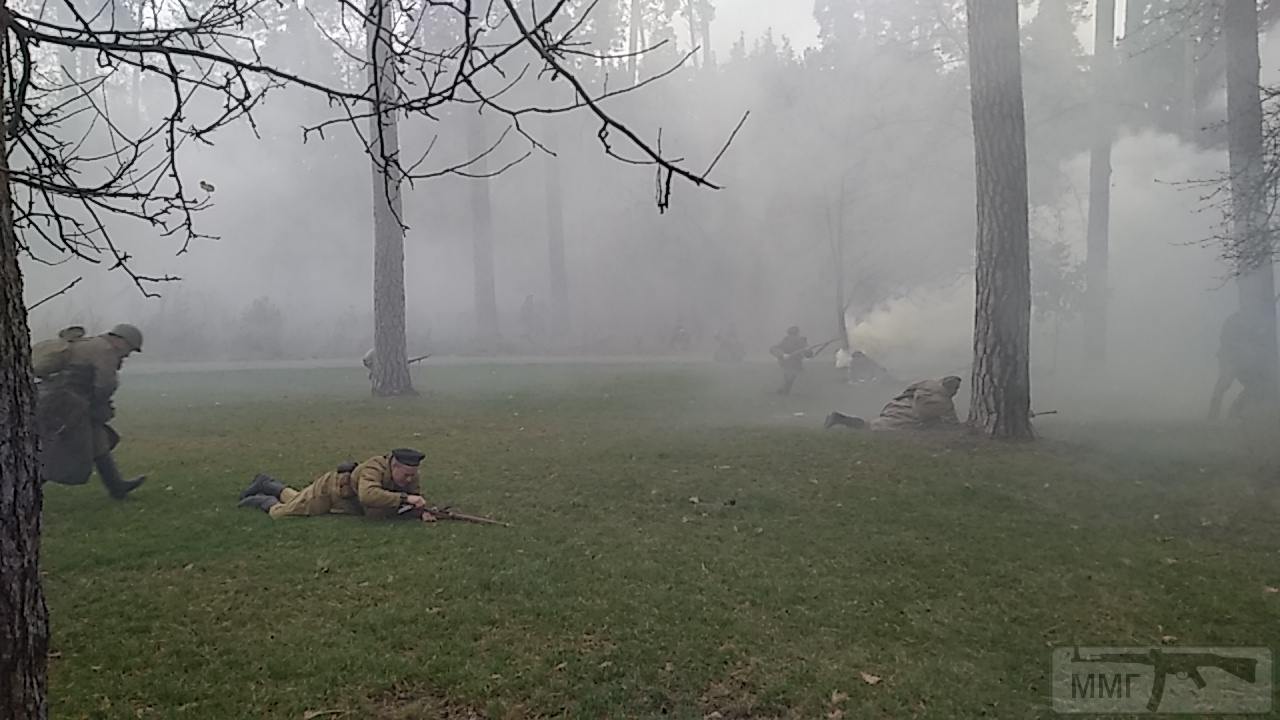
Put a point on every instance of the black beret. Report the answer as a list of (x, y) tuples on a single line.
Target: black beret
[(405, 456)]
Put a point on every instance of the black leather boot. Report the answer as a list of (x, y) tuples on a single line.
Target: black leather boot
[(117, 486), (262, 502), (263, 484)]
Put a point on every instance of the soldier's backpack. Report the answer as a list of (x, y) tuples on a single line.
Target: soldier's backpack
[(49, 357)]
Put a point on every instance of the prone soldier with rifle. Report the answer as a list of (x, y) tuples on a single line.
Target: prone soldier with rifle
[(382, 487)]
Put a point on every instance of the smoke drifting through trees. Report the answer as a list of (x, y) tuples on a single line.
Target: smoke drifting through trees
[(757, 255)]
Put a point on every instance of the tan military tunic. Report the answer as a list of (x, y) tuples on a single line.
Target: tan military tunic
[(72, 411), (922, 405), (367, 490)]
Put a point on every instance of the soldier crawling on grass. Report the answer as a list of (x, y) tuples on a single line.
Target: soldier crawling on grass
[(378, 488), (924, 405)]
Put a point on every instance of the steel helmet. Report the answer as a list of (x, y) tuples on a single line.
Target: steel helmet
[(130, 334)]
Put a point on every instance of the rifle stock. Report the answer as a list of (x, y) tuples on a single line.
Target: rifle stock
[(448, 513)]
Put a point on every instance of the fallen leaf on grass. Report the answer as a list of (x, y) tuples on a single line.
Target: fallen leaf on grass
[(870, 679), (562, 666), (838, 697), (836, 714), (694, 500), (312, 714), (1270, 589), (1168, 639)]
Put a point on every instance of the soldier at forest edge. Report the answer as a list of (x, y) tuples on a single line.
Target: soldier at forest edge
[(791, 352), (77, 378), (1241, 358)]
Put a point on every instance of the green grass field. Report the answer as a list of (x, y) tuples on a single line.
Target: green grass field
[(685, 546)]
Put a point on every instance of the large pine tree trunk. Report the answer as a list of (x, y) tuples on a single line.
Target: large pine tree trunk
[(390, 372), (837, 253), (24, 620), (1001, 405), (1190, 118), (1097, 250), (708, 58), (559, 276), (482, 241), (1252, 245)]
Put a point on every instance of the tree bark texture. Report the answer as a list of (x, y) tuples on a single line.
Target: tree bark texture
[(24, 619), (486, 298), (1098, 241), (390, 372), (692, 14), (1001, 383), (1249, 232)]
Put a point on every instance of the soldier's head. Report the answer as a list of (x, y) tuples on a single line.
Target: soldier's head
[(404, 465), (793, 330), (952, 384), (125, 338)]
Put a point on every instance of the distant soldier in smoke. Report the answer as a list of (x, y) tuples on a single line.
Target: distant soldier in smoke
[(531, 319), (861, 368), (924, 405), (371, 356), (791, 352), (78, 377), (1242, 358), (680, 340), (728, 347)]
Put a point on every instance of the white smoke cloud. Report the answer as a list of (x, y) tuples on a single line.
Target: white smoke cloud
[(1168, 293), (926, 332)]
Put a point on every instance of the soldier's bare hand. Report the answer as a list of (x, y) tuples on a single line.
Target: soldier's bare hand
[(428, 517), (416, 500)]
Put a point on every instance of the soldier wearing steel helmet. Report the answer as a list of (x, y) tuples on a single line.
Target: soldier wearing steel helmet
[(74, 407)]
